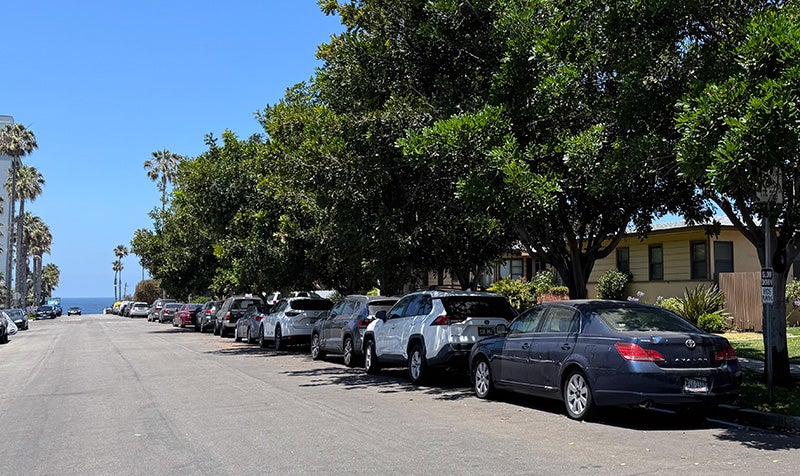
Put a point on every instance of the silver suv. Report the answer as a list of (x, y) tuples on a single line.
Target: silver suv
[(432, 329)]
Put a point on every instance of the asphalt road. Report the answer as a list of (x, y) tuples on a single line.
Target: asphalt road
[(110, 395)]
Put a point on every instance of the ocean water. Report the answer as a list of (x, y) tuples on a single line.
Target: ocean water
[(88, 305)]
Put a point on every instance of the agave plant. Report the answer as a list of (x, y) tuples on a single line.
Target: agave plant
[(697, 302)]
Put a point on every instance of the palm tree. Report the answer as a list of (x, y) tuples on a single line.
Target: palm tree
[(120, 252), (29, 186), (50, 277), (116, 265), (16, 141), (38, 241), (162, 167)]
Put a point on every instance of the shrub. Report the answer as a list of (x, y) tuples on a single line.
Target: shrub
[(559, 291), (672, 304), (712, 322), (701, 300), (611, 284), (543, 281), (520, 293)]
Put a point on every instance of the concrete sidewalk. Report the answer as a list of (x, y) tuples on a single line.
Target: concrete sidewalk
[(758, 366)]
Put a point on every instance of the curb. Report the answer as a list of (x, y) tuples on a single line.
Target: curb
[(757, 419)]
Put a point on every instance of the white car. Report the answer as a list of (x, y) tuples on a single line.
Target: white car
[(432, 328), (292, 320), (139, 309), (10, 327)]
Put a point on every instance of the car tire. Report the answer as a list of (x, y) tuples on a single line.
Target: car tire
[(262, 341), (236, 337), (4, 339), (482, 380), (348, 352), (216, 330), (371, 364), (174, 324), (577, 395), (316, 350), (222, 331), (279, 344), (417, 366), (248, 338)]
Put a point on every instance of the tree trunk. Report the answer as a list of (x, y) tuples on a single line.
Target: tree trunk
[(22, 264), (10, 256), (37, 280)]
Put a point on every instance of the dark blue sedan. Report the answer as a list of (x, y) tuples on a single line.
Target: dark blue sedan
[(591, 353)]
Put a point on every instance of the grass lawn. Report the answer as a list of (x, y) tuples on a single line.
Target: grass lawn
[(750, 345), (754, 391)]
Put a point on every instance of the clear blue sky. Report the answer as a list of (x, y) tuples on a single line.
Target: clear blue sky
[(103, 84)]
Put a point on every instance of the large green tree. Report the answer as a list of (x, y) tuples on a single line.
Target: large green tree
[(740, 142), (16, 141)]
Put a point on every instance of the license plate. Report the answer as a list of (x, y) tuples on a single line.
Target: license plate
[(695, 385), (485, 331)]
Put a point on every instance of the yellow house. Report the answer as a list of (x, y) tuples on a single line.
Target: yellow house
[(675, 256)]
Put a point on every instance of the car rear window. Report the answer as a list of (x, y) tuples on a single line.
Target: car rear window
[(311, 304), (478, 306), (625, 319), (194, 307), (244, 303)]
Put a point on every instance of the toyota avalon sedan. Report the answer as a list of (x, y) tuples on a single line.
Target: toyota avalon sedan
[(594, 353)]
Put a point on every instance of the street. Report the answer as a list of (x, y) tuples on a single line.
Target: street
[(111, 395)]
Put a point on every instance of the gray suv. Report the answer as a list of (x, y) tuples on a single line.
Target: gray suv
[(341, 330), (232, 309)]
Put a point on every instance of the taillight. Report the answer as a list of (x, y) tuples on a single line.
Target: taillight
[(228, 316), (208, 311), (725, 354), (259, 317), (445, 320), (363, 323), (635, 353)]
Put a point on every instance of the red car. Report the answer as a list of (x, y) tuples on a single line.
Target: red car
[(186, 314)]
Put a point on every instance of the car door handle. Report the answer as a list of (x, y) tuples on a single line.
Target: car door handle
[(566, 346), (526, 346)]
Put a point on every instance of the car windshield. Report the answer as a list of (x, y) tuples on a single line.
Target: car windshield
[(377, 306), (311, 304), (15, 313), (629, 319), (479, 306)]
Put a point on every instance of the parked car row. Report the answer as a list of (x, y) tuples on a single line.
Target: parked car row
[(586, 353)]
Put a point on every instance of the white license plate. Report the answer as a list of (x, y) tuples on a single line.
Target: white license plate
[(485, 331), (695, 385)]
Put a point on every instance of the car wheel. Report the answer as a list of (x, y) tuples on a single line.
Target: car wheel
[(248, 339), (279, 345), (262, 341), (417, 367), (347, 352), (216, 330), (316, 353), (4, 339), (223, 332), (577, 395), (174, 324), (482, 379), (236, 337), (371, 364)]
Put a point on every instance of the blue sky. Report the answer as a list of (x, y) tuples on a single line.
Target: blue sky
[(103, 84)]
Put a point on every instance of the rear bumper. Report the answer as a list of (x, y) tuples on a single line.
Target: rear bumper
[(665, 387), (451, 355)]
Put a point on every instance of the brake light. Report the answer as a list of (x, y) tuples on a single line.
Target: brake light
[(445, 320), (259, 317), (725, 354), (635, 353), (363, 323), (228, 316), (208, 311)]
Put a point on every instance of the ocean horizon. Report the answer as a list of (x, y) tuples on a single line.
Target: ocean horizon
[(88, 305)]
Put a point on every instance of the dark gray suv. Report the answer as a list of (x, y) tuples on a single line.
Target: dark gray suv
[(341, 330), (232, 309)]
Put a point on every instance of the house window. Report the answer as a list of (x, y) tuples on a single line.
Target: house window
[(723, 257), (699, 257), (511, 267), (624, 260), (656, 262)]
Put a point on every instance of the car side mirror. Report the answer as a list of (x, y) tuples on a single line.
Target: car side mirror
[(381, 315), (500, 330)]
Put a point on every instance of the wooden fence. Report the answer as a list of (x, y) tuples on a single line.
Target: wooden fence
[(743, 299)]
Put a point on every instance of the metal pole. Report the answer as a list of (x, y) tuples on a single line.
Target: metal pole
[(768, 309)]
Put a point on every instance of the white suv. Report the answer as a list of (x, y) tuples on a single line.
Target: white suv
[(292, 320), (432, 328)]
